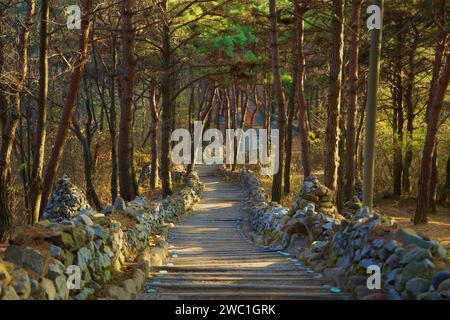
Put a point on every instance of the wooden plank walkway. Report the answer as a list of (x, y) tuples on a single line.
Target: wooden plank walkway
[(212, 259)]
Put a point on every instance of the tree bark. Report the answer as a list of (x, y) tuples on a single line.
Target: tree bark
[(428, 149), (278, 92), (334, 96), (153, 137), (126, 101), (406, 179), (166, 115), (38, 163), (398, 115), (350, 157), (9, 129), (112, 122), (66, 116), (302, 108)]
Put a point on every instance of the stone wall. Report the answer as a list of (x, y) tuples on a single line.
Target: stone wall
[(35, 263), (341, 249)]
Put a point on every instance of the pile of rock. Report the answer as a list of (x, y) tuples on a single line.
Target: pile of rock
[(352, 206), (66, 201), (312, 226), (35, 264), (407, 259), (342, 249), (316, 193)]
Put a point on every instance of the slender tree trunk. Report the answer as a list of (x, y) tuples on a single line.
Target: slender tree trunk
[(398, 116), (126, 101), (334, 97), (9, 129), (166, 116), (278, 97), (38, 163), (350, 157), (406, 179), (302, 108), (256, 104), (290, 120), (433, 182), (428, 149), (112, 121), (69, 106), (446, 192), (153, 137)]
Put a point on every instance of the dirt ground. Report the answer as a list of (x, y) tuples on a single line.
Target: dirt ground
[(401, 211)]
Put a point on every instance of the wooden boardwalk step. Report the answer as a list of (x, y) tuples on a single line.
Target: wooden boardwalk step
[(210, 258)]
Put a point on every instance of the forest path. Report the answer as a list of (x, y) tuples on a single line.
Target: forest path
[(211, 259)]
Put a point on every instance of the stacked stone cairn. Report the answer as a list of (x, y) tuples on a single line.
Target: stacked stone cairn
[(316, 193), (66, 201), (343, 249), (36, 261), (354, 204)]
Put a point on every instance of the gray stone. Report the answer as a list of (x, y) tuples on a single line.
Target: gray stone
[(84, 218), (61, 287), (84, 256), (99, 231), (25, 257), (378, 243), (55, 269), (439, 277), (85, 294), (55, 251), (439, 250), (119, 204), (361, 292), (444, 285), (365, 263), (9, 294), (393, 294), (117, 293), (391, 245), (409, 236), (319, 246), (416, 286), (48, 289), (391, 277), (414, 269), (129, 286), (416, 255), (21, 283)]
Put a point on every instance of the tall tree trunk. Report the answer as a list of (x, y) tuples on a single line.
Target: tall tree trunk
[(38, 163), (334, 97), (9, 129), (433, 182), (290, 120), (302, 108), (398, 115), (112, 122), (428, 149), (350, 157), (406, 179), (153, 137), (166, 97), (69, 106), (446, 192), (278, 98), (256, 104), (126, 101)]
